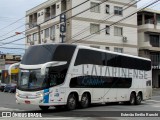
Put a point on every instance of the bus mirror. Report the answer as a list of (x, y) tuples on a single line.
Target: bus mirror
[(11, 66), (51, 64)]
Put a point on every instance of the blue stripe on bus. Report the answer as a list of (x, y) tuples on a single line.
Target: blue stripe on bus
[(46, 97)]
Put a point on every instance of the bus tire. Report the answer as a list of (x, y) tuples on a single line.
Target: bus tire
[(132, 100), (138, 99), (10, 91), (71, 102), (44, 108), (85, 100)]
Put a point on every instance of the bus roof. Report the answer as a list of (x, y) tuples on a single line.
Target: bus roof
[(96, 49), (106, 51)]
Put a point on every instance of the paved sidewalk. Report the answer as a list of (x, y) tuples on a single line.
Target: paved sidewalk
[(156, 92)]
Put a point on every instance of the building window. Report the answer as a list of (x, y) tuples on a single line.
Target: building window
[(119, 50), (118, 31), (107, 9), (95, 28), (53, 11), (35, 37), (47, 33), (29, 39), (107, 29), (154, 40), (118, 10), (47, 13), (57, 6), (96, 8), (107, 48), (52, 32), (63, 5)]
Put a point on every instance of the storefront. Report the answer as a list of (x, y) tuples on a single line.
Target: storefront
[(14, 76)]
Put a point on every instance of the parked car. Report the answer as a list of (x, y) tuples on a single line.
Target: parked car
[(10, 88), (2, 85)]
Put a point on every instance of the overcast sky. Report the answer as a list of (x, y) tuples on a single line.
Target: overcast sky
[(12, 10)]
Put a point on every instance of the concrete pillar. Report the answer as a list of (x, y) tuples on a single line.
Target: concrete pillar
[(143, 18), (155, 20)]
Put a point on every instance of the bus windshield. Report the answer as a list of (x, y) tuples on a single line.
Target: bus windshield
[(32, 79)]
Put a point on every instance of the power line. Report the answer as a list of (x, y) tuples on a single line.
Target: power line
[(10, 32), (117, 21), (82, 31), (45, 21), (11, 23), (85, 29), (12, 41), (71, 16)]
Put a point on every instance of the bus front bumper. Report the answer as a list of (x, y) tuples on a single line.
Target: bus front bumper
[(37, 101)]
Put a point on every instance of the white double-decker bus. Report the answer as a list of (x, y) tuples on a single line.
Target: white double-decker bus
[(71, 75)]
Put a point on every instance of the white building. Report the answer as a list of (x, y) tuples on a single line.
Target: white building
[(149, 40), (121, 37)]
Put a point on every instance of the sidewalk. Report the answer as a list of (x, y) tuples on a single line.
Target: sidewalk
[(156, 92)]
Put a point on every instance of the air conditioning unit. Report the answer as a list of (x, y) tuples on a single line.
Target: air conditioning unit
[(124, 39), (31, 43), (52, 38)]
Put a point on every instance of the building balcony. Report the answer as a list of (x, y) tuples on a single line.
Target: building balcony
[(31, 25), (154, 49), (149, 24)]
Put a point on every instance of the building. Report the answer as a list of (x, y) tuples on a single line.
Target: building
[(149, 40), (43, 27), (5, 61)]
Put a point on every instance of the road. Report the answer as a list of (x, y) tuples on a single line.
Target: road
[(7, 103)]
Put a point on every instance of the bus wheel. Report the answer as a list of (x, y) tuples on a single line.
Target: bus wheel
[(71, 102), (10, 91), (132, 100), (44, 107), (138, 99), (85, 101)]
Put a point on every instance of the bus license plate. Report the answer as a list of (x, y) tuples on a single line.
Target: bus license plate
[(27, 102)]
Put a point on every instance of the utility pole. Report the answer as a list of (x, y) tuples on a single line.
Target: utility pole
[(39, 33)]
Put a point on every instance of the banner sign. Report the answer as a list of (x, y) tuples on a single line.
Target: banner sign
[(62, 26)]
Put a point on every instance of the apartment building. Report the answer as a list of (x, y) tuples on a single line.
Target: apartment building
[(42, 24), (149, 40)]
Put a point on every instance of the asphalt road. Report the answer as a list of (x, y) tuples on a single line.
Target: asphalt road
[(7, 103)]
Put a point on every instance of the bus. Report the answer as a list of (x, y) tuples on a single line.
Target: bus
[(74, 75)]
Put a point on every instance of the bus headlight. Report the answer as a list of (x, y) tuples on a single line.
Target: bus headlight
[(40, 94), (17, 94)]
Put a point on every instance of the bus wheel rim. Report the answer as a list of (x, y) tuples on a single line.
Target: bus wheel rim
[(85, 100), (72, 102)]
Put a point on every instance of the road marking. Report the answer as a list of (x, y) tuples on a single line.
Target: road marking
[(153, 101), (156, 106), (9, 109), (155, 96)]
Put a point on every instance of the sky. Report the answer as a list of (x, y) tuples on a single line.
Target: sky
[(12, 10)]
